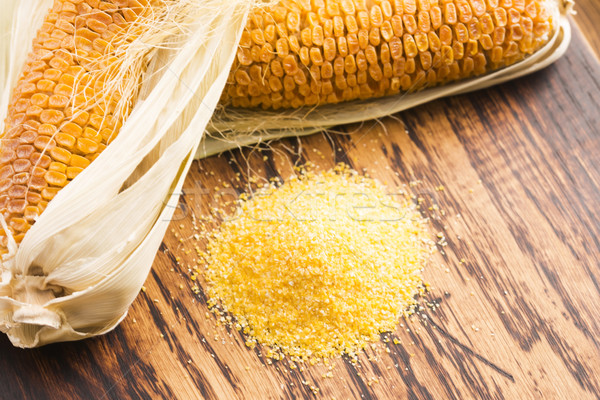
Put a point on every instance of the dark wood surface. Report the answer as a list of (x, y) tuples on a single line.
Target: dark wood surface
[(518, 318)]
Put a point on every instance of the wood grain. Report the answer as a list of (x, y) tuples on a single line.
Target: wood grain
[(588, 18), (518, 317)]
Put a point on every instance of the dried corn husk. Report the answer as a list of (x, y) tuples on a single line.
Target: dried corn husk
[(234, 127), (85, 259)]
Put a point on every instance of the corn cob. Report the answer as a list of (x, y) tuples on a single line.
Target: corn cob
[(313, 52), (79, 268), (61, 117)]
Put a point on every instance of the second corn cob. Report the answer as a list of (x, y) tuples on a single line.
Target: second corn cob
[(306, 53)]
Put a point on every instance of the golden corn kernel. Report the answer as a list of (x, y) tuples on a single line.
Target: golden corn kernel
[(19, 224), (55, 178), (57, 166), (31, 213), (78, 161), (49, 193), (72, 172)]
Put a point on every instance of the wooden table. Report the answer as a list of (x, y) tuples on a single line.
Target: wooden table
[(519, 315)]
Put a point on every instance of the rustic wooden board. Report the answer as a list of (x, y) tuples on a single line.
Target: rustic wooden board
[(518, 319)]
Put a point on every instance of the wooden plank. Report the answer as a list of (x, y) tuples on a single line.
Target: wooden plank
[(517, 319), (588, 18)]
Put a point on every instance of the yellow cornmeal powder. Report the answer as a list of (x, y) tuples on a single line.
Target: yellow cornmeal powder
[(320, 265)]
